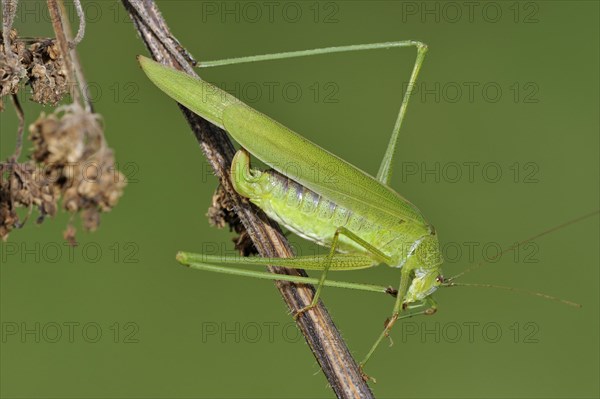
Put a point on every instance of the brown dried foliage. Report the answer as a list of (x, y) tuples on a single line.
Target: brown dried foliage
[(19, 188), (69, 159), (36, 62), (221, 214)]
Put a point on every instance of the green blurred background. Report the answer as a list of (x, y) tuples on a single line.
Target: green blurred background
[(511, 88)]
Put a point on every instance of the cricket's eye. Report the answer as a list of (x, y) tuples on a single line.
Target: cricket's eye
[(440, 279)]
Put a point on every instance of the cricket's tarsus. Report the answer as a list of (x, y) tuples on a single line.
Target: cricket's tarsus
[(392, 291)]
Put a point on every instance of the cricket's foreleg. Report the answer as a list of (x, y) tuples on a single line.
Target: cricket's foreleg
[(432, 306), (428, 303), (328, 262), (404, 278), (388, 326), (431, 309)]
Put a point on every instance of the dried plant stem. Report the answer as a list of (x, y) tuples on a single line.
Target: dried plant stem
[(81, 82), (56, 16), (62, 30), (330, 350), (81, 29), (21, 116), (9, 9)]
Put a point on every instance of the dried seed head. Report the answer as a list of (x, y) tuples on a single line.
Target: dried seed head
[(72, 141), (40, 64), (11, 69), (69, 159), (57, 139), (47, 72)]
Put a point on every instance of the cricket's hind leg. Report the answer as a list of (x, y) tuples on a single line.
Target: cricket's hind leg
[(385, 169)]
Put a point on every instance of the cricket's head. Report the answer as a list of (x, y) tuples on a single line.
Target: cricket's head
[(427, 271)]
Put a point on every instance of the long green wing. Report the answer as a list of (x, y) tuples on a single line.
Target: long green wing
[(316, 168), (284, 150)]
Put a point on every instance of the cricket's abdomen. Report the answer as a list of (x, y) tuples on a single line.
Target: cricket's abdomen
[(316, 218), (311, 216)]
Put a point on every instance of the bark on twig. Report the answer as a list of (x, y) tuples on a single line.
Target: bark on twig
[(20, 130), (56, 16), (329, 348)]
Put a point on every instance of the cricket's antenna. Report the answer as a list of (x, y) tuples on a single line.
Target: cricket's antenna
[(502, 287), (517, 244)]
